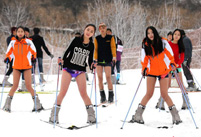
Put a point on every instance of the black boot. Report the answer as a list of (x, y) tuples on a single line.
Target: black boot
[(103, 98), (111, 96)]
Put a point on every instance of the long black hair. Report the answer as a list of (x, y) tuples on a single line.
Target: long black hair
[(157, 44), (91, 38), (20, 27), (180, 41)]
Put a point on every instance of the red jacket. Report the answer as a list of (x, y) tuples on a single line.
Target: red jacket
[(178, 57)]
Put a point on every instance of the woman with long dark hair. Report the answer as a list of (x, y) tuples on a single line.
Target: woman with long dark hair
[(156, 59), (23, 53), (75, 59)]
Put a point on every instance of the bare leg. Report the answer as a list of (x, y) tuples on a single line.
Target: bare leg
[(170, 77), (150, 90), (16, 78), (100, 77), (65, 82), (108, 77), (164, 91), (81, 82), (27, 77)]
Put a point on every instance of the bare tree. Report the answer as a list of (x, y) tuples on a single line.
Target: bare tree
[(167, 19), (126, 21), (14, 14)]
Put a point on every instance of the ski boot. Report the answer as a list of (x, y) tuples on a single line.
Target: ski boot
[(111, 96), (37, 105), (91, 114), (184, 105), (103, 98), (160, 103), (7, 106), (138, 115), (175, 115), (51, 119)]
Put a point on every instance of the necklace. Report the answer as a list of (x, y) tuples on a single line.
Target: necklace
[(85, 45)]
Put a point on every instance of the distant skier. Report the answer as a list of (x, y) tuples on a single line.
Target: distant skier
[(39, 44), (75, 59), (21, 51), (10, 70), (156, 59), (178, 51), (187, 62), (119, 50), (105, 55), (169, 36)]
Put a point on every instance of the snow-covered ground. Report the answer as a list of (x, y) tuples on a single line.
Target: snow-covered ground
[(21, 122)]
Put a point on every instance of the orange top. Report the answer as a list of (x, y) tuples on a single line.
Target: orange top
[(159, 64), (21, 53)]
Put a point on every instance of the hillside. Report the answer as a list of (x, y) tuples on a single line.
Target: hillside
[(70, 12)]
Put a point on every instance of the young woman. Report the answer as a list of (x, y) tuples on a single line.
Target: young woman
[(75, 59), (21, 51), (178, 50), (156, 59)]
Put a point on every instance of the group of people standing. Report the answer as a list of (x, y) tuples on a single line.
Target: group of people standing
[(158, 58)]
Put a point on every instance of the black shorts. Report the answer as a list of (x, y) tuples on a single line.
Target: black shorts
[(159, 77), (105, 64), (21, 70)]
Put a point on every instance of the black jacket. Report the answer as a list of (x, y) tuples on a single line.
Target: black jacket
[(188, 48), (78, 54), (8, 40), (39, 43)]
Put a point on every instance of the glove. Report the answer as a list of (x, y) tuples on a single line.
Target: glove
[(93, 65), (51, 56), (6, 60), (33, 60), (185, 63), (144, 72)]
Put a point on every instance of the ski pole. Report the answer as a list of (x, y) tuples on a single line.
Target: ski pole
[(92, 87), (55, 109), (184, 92), (132, 102), (40, 79), (3, 83), (95, 97), (49, 68), (194, 77), (34, 85), (115, 83), (182, 89)]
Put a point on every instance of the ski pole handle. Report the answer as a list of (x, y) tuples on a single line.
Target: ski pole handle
[(59, 61)]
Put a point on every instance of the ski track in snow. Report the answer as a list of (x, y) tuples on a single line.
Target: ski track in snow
[(21, 122)]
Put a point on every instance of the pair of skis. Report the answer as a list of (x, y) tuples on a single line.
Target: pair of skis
[(73, 127)]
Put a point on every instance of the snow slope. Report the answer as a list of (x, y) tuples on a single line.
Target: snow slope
[(21, 122)]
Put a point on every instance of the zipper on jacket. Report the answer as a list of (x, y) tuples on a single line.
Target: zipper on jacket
[(18, 49)]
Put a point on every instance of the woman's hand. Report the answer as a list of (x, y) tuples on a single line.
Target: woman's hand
[(60, 61), (94, 64)]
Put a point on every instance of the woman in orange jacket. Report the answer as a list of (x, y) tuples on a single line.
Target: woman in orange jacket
[(23, 53), (156, 59)]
